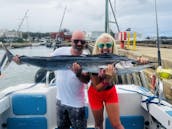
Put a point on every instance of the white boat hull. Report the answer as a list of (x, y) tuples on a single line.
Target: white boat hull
[(28, 106)]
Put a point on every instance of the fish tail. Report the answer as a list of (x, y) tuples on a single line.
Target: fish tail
[(6, 59), (8, 53), (2, 62)]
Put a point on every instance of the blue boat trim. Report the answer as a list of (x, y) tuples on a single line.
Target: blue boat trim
[(129, 122), (169, 113)]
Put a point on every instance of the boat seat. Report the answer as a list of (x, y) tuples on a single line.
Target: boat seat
[(33, 108), (129, 122), (29, 104)]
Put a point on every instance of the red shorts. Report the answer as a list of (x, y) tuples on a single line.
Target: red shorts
[(97, 98)]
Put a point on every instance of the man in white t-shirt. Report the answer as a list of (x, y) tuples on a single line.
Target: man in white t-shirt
[(70, 87)]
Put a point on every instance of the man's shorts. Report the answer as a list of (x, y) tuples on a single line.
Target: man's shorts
[(70, 116)]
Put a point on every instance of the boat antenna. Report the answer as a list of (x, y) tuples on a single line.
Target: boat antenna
[(157, 34)]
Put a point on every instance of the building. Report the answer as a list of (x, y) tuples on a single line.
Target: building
[(64, 36)]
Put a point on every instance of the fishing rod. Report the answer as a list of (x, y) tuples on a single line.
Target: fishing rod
[(159, 86), (163, 73), (157, 33)]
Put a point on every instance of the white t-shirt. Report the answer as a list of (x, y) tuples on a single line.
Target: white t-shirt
[(70, 90)]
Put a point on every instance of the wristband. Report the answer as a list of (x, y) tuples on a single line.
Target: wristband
[(78, 74)]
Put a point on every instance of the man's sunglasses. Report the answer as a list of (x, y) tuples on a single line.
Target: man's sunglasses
[(76, 41), (102, 45)]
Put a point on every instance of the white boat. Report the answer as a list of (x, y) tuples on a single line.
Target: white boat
[(33, 106)]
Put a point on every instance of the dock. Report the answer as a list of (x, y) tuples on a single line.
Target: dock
[(151, 53), (16, 45)]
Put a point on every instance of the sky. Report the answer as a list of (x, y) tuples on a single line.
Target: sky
[(86, 15)]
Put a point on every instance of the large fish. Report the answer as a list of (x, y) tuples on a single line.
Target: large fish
[(89, 63)]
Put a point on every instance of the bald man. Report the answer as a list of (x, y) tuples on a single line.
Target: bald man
[(70, 87)]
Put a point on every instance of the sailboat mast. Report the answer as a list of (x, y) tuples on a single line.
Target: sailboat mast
[(106, 16)]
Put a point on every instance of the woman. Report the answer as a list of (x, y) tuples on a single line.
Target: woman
[(102, 93)]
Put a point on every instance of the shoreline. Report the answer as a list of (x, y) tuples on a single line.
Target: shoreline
[(16, 45)]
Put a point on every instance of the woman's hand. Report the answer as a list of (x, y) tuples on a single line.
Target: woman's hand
[(109, 71), (107, 74)]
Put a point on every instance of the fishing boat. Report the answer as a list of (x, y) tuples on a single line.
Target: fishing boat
[(32, 106)]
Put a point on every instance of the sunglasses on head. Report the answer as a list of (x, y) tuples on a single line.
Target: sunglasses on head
[(108, 45), (76, 41)]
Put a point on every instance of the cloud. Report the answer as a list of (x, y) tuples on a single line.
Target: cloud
[(89, 15)]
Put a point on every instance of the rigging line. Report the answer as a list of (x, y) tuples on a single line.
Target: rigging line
[(62, 19), (58, 35), (30, 86), (21, 23), (11, 92), (148, 96), (114, 16)]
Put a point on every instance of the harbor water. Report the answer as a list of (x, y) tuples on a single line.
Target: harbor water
[(17, 74)]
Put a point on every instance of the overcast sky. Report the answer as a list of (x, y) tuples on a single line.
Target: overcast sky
[(87, 15)]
